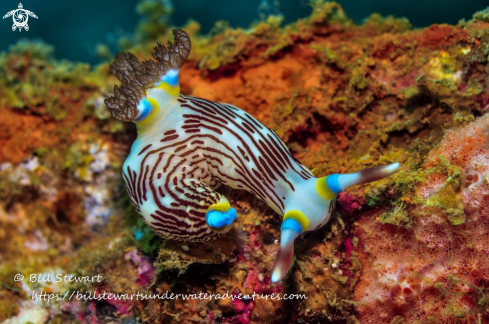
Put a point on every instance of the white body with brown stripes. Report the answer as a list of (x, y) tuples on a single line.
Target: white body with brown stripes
[(187, 147), (191, 146)]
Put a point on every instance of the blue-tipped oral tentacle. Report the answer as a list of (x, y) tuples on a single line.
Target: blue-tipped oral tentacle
[(221, 221), (333, 185), (339, 182), (290, 230)]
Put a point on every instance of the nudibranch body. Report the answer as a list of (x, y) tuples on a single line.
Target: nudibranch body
[(187, 147)]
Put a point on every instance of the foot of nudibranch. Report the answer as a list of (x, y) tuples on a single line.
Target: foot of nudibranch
[(221, 221)]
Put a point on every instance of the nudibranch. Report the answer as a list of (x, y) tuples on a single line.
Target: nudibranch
[(187, 147)]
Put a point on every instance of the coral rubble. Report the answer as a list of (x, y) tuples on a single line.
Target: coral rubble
[(410, 248)]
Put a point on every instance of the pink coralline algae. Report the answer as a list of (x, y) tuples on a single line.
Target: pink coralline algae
[(350, 203), (347, 267), (145, 268), (257, 278), (437, 269), (243, 310), (260, 283)]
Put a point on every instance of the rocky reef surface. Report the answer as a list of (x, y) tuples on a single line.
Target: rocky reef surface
[(412, 248)]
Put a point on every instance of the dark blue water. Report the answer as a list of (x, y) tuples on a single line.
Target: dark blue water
[(75, 27)]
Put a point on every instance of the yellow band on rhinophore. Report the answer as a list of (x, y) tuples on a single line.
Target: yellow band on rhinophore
[(323, 189), (222, 206), (299, 217), (174, 91), (155, 106)]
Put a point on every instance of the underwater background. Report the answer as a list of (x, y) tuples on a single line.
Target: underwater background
[(75, 28), (346, 86)]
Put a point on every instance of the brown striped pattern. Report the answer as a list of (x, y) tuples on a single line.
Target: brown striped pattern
[(213, 144)]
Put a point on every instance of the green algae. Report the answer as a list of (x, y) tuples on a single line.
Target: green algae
[(327, 11), (77, 159), (403, 183), (387, 24), (156, 16), (31, 78), (445, 93), (397, 215), (479, 296), (482, 15), (225, 46), (447, 197)]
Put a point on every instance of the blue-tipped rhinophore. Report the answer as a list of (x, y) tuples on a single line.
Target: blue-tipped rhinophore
[(144, 108), (171, 77), (221, 221)]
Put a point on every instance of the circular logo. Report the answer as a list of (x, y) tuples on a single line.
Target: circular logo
[(20, 18)]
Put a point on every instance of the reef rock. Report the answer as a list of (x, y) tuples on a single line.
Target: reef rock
[(409, 248)]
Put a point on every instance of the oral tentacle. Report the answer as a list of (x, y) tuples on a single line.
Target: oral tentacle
[(221, 221), (290, 230), (339, 182)]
